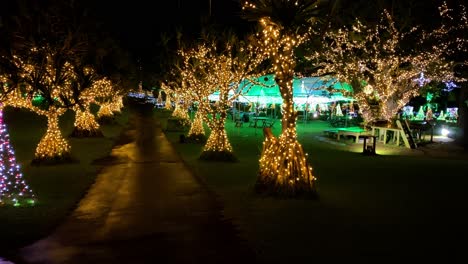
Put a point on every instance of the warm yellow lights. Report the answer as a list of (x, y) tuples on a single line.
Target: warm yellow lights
[(181, 113), (105, 110), (283, 164), (210, 67), (85, 122), (117, 104), (52, 145), (386, 77), (218, 141), (197, 125)]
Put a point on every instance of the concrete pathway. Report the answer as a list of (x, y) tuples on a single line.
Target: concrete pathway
[(145, 207)]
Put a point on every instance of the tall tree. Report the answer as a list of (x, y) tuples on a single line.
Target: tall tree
[(46, 40), (226, 63), (284, 25), (384, 63)]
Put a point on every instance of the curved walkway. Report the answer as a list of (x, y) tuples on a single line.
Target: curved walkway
[(145, 207)]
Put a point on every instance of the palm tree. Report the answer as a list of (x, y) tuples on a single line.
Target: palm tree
[(284, 26)]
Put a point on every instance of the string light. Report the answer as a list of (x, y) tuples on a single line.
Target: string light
[(283, 164), (220, 68), (197, 126), (52, 80), (52, 145), (13, 188), (85, 123), (105, 111), (383, 75)]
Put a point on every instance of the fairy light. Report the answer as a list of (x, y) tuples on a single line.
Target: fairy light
[(117, 104), (52, 79), (197, 125), (106, 98), (13, 188), (85, 122), (208, 68), (283, 163), (168, 103), (52, 145), (381, 85), (181, 113), (193, 75), (105, 110)]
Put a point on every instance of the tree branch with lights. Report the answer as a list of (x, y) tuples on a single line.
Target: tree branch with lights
[(195, 77), (225, 66), (382, 67)]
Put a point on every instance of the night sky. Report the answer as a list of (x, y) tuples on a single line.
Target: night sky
[(139, 23)]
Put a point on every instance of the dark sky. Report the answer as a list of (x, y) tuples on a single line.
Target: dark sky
[(138, 23)]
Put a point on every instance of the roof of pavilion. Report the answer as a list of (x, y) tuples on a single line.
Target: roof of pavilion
[(265, 89)]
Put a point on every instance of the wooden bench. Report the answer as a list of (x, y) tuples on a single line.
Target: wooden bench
[(355, 134), (331, 133)]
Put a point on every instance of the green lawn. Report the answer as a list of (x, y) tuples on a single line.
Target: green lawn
[(57, 187), (397, 203)]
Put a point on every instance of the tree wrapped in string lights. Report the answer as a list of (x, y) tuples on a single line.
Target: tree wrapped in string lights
[(51, 81), (180, 119), (181, 94), (117, 104), (106, 100), (381, 66), (169, 93), (194, 76), (13, 188), (284, 169), (227, 65), (85, 124)]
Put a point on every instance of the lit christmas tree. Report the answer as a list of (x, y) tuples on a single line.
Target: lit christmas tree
[(13, 188), (420, 115), (441, 116)]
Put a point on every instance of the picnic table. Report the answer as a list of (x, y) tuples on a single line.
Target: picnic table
[(258, 119)]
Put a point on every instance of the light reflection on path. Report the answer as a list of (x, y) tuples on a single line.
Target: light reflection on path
[(145, 207)]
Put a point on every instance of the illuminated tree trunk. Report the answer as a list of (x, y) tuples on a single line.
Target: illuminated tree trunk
[(53, 146), (284, 169), (85, 124), (197, 125), (105, 112), (181, 113), (168, 105), (218, 146), (218, 140), (117, 105), (384, 103)]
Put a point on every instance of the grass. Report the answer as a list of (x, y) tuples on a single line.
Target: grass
[(400, 202), (58, 188)]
